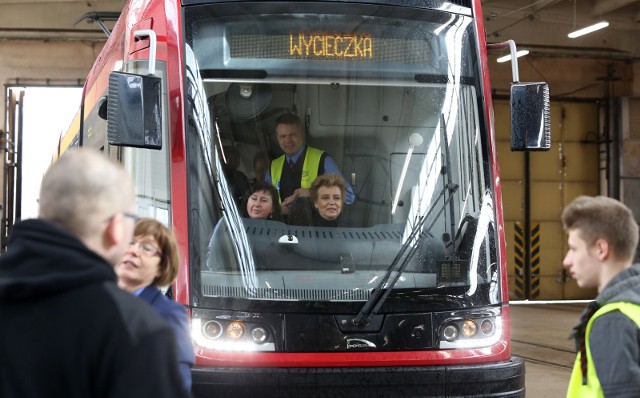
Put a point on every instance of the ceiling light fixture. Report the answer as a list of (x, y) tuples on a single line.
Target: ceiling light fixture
[(588, 29), (507, 57)]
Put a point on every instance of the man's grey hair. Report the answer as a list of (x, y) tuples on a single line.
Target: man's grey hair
[(82, 189)]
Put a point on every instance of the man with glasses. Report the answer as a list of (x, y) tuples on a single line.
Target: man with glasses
[(67, 329)]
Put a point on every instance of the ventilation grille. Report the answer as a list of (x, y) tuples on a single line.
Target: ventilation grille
[(319, 233), (286, 294)]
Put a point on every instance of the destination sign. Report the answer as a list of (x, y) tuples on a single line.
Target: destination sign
[(339, 46), (347, 47)]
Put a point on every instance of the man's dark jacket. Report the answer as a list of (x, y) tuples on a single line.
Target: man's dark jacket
[(67, 330)]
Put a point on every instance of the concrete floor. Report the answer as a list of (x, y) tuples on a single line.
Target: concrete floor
[(540, 335)]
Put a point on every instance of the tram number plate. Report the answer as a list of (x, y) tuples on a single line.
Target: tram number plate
[(453, 271)]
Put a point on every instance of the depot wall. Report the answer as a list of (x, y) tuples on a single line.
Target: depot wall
[(572, 77), (32, 62)]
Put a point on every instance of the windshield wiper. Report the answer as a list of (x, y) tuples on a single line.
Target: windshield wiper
[(380, 293)]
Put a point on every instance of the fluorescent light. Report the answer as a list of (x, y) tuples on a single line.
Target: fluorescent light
[(519, 54), (588, 29)]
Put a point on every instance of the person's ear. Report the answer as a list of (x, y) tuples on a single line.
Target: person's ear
[(114, 232), (603, 249)]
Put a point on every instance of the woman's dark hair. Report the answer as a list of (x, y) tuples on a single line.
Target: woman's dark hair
[(276, 213)]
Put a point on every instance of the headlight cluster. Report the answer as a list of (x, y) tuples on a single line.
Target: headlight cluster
[(230, 335), (470, 332)]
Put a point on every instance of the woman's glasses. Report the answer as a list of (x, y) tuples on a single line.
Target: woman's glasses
[(146, 248)]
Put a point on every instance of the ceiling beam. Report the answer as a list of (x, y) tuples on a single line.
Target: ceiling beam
[(602, 7)]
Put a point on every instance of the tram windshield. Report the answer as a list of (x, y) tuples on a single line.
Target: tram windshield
[(394, 101)]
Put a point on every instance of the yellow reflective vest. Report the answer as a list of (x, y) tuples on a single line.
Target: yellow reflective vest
[(309, 168), (593, 389)]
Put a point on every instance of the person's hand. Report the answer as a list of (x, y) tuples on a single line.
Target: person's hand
[(285, 206), (284, 209), (302, 192)]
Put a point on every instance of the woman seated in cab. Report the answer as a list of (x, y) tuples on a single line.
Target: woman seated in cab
[(261, 202), (324, 205)]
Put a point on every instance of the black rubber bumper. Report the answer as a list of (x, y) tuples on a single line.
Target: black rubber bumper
[(497, 379)]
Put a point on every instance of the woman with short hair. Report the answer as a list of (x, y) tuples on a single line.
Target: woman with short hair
[(326, 200), (152, 262)]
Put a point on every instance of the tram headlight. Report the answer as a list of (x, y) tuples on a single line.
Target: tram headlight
[(487, 327), (223, 333), (259, 334), (235, 330), (450, 332), (469, 328), (212, 329)]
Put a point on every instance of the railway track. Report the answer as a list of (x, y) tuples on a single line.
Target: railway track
[(540, 335)]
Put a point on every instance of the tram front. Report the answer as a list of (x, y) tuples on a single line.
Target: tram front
[(408, 293)]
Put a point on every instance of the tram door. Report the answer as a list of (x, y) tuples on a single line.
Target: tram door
[(535, 189)]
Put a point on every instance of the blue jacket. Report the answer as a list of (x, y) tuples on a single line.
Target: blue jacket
[(176, 316)]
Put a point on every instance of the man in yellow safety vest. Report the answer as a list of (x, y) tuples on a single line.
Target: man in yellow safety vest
[(293, 173), (603, 237)]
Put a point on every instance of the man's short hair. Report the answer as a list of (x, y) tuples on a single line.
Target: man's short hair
[(83, 189), (288, 118), (604, 218)]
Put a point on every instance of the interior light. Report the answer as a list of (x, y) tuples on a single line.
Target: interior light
[(588, 29), (507, 57), (415, 140), (246, 90)]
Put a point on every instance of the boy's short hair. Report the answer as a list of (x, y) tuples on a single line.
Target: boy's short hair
[(604, 218)]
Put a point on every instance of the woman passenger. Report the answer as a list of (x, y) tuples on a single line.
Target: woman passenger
[(328, 194), (262, 203), (324, 205), (152, 261)]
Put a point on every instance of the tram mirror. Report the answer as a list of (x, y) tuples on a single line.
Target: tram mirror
[(134, 111), (530, 114)]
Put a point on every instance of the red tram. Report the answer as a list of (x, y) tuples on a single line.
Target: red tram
[(409, 296)]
